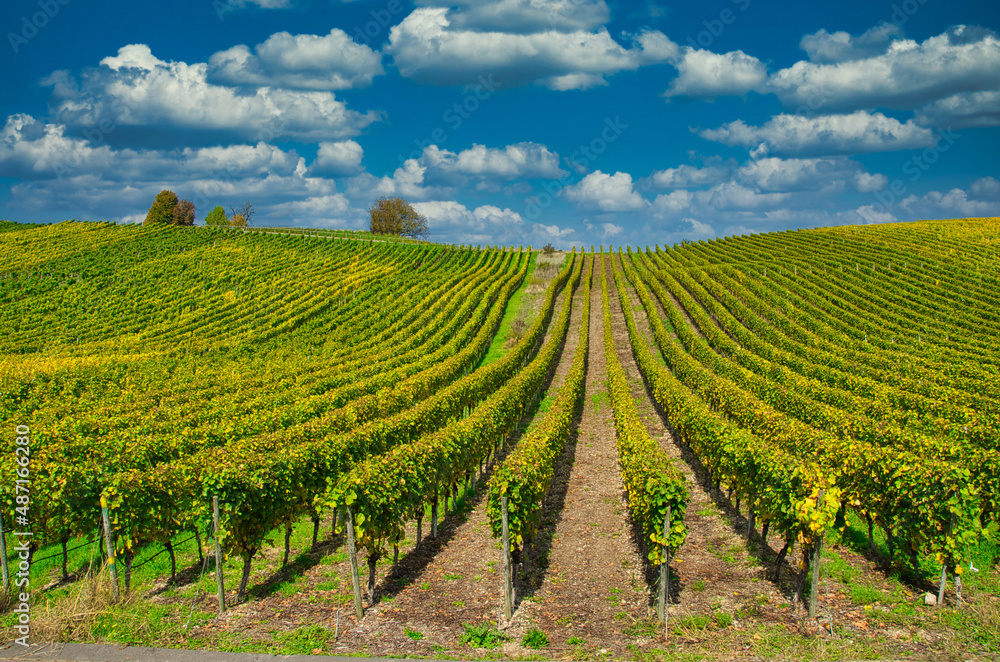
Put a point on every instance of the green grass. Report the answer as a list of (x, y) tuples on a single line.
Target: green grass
[(727, 555), (776, 641), (599, 398), (835, 567), (540, 410), (482, 636), (535, 638), (497, 349), (855, 537), (141, 622), (293, 586), (865, 594), (643, 628), (303, 641), (414, 635), (695, 622), (723, 620), (977, 625)]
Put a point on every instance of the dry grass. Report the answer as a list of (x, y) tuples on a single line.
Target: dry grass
[(554, 258), (517, 330), (72, 617), (6, 601)]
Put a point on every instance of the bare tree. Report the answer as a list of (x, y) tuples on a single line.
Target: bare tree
[(242, 214)]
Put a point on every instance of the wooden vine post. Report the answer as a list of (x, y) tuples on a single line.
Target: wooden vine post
[(352, 554), (508, 578), (814, 589), (662, 606), (944, 565), (220, 582), (110, 545), (944, 581), (434, 516), (3, 556)]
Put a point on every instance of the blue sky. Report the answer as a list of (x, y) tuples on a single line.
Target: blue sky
[(574, 122)]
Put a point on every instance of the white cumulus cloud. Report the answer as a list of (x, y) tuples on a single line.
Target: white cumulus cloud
[(334, 159), (524, 16), (987, 188), (855, 132), (706, 74), (452, 221), (406, 181), (304, 61), (428, 48), (136, 89), (332, 210), (777, 174), (31, 149), (734, 196), (907, 75), (829, 47), (524, 160), (950, 204), (605, 192), (673, 203), (959, 111), (687, 176)]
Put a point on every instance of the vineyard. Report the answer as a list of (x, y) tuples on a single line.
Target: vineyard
[(299, 441)]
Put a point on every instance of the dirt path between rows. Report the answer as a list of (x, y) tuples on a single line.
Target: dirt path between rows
[(593, 590), (716, 576), (454, 580)]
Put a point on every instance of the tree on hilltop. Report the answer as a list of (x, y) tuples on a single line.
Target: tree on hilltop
[(242, 215), (217, 217), (184, 213), (396, 216), (162, 209)]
